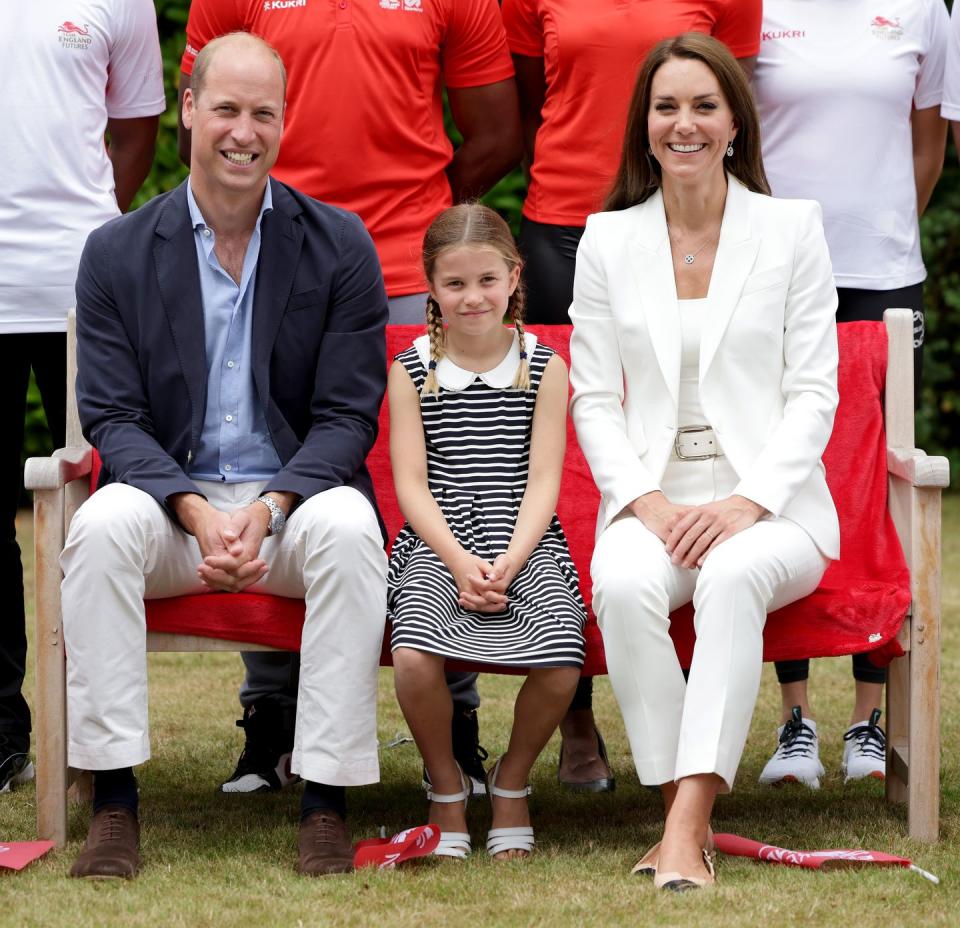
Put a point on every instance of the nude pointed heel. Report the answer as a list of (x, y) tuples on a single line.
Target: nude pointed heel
[(675, 882), (647, 865)]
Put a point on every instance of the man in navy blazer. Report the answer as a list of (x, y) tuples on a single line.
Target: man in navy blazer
[(231, 364)]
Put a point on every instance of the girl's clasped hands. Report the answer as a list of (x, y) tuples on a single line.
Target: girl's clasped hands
[(483, 586)]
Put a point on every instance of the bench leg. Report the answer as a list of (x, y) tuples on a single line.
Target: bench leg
[(50, 700), (924, 785), (898, 728)]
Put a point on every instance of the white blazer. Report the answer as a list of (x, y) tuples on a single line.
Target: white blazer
[(768, 355)]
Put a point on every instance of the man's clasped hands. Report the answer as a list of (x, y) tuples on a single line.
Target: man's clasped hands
[(229, 542)]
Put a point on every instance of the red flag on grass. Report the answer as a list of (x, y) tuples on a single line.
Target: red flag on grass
[(15, 855), (386, 853), (813, 860)]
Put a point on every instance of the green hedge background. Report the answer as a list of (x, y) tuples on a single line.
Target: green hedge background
[(938, 421)]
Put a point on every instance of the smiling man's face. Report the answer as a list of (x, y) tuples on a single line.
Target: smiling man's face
[(236, 121)]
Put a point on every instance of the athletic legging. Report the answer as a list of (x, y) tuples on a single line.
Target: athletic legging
[(550, 256), (857, 306)]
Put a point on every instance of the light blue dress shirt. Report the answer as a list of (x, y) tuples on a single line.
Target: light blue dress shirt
[(235, 443)]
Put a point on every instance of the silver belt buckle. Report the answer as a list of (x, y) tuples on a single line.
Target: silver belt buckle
[(702, 446)]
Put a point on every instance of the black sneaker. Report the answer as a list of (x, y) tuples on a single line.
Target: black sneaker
[(264, 765), (465, 730), (15, 766)]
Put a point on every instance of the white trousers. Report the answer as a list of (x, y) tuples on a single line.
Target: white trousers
[(676, 728), (122, 548)]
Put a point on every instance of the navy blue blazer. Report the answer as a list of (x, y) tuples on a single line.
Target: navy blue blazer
[(319, 346)]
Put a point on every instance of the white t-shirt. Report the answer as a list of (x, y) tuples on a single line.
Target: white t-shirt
[(835, 82), (66, 66), (951, 82)]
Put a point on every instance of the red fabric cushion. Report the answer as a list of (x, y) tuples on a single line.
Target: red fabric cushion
[(858, 607)]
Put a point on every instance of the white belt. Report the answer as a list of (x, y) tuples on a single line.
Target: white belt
[(696, 443)]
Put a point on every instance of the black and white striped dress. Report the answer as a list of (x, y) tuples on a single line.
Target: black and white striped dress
[(477, 432)]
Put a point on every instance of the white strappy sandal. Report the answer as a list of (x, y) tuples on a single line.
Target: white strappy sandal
[(519, 838), (453, 843)]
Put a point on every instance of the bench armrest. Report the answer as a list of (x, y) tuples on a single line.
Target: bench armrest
[(54, 473), (917, 468)]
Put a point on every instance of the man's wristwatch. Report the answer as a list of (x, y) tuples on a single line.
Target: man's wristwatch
[(277, 518)]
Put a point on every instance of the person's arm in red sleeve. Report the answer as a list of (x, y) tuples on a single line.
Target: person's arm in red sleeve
[(488, 118), (183, 133), (207, 20), (521, 22), (478, 75), (738, 27), (532, 91)]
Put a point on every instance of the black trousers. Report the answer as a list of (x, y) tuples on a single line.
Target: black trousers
[(550, 257), (859, 306), (46, 354)]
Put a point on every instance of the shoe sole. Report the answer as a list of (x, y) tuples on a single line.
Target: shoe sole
[(24, 776), (236, 787), (790, 780), (603, 785), (873, 775)]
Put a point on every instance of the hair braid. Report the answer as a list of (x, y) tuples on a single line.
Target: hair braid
[(435, 331), (517, 301)]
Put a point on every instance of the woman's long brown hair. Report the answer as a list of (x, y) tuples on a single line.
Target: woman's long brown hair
[(638, 176)]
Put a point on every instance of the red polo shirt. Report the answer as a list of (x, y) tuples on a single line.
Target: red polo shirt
[(591, 55), (364, 121)]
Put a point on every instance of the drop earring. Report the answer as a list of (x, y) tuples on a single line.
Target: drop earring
[(730, 150)]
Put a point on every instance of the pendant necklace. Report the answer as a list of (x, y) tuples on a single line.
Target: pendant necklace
[(690, 257)]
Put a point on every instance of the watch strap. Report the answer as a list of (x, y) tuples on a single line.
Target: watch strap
[(277, 517)]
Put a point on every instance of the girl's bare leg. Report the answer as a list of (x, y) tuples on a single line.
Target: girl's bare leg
[(541, 703), (425, 700)]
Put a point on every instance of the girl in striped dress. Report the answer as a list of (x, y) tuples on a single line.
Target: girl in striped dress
[(481, 570)]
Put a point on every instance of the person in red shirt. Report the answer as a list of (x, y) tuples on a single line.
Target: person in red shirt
[(576, 65), (364, 130)]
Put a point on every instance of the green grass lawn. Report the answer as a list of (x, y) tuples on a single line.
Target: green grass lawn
[(210, 859)]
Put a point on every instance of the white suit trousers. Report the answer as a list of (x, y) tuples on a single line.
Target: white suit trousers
[(676, 728), (122, 548)]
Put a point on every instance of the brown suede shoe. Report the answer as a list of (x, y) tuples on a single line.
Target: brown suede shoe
[(111, 850), (325, 846)]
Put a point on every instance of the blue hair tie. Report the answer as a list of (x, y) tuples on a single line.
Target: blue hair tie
[(523, 356), (432, 365)]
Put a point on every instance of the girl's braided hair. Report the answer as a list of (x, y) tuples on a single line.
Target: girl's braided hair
[(477, 226)]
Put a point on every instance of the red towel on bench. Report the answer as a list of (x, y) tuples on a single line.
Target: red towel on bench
[(859, 606)]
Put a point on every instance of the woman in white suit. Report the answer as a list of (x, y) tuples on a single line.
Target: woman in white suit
[(704, 361)]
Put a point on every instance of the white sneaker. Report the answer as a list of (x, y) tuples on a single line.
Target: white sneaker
[(865, 750), (797, 758)]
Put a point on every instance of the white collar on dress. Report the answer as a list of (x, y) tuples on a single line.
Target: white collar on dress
[(451, 377)]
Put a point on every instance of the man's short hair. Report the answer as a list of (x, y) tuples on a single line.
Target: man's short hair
[(202, 62)]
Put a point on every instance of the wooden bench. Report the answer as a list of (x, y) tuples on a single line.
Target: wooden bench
[(842, 618)]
